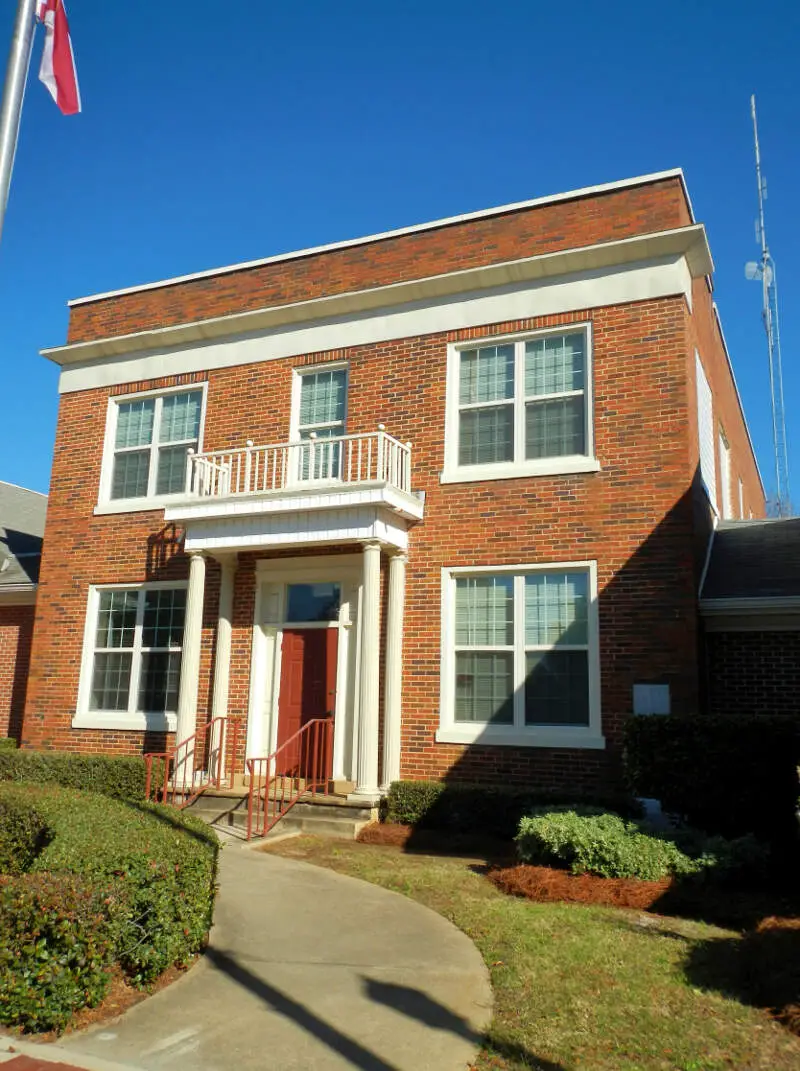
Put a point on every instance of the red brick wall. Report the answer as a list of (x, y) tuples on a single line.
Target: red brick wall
[(510, 236), (753, 672), (16, 629), (634, 517)]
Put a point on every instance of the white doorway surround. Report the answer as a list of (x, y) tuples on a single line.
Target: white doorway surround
[(356, 705), (274, 576)]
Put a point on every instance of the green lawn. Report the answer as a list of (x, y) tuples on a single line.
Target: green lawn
[(582, 988)]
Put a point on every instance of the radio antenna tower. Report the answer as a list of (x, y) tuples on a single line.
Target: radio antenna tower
[(765, 271)]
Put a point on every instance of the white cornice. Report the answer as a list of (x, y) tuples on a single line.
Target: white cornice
[(689, 242), (571, 195)]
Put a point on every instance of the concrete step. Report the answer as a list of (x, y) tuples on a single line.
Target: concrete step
[(322, 816)]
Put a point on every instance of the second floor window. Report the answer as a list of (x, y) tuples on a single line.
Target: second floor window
[(152, 436), (321, 415), (523, 401)]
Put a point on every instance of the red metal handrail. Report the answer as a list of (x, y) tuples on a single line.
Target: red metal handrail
[(299, 767), (178, 784)]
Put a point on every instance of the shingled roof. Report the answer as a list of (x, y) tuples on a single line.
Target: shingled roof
[(754, 560), (22, 514)]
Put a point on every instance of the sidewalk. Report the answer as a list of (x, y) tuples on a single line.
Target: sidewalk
[(305, 968)]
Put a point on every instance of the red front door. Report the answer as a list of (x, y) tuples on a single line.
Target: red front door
[(308, 691)]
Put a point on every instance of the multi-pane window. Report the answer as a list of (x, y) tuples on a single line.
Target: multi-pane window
[(523, 401), (136, 658), (323, 407), (522, 648), (151, 438)]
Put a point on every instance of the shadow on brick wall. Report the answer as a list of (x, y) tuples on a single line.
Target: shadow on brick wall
[(648, 634)]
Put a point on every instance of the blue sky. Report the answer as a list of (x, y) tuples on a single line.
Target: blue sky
[(216, 132)]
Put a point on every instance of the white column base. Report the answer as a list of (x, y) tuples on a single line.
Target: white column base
[(367, 798)]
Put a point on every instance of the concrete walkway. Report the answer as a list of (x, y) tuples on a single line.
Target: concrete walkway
[(308, 969)]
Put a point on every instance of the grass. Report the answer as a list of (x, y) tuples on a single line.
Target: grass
[(580, 988)]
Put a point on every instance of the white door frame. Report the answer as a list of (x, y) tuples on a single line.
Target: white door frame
[(272, 577)]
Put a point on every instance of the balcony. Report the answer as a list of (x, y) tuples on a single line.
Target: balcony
[(343, 488)]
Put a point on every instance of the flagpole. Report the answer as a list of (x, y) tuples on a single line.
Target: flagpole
[(11, 108)]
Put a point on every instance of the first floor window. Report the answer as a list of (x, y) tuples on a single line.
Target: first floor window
[(522, 648), (136, 657)]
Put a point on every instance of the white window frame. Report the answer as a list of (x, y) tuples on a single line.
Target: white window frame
[(107, 504), (741, 499), (517, 735), (453, 472), (85, 718), (296, 428), (725, 475), (705, 432)]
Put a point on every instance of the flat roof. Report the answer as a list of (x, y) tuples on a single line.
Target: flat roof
[(586, 191)]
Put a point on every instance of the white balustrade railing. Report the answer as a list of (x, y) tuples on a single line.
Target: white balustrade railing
[(256, 470)]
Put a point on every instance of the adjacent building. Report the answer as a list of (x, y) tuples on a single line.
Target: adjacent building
[(22, 515)]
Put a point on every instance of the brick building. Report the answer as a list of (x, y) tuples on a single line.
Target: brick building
[(450, 487), (22, 514)]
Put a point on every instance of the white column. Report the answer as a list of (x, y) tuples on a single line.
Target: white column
[(190, 665), (367, 773), (222, 661), (392, 701), (222, 658)]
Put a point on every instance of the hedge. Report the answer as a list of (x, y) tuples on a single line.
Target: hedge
[(56, 945), (7, 743), (23, 834), (493, 811), (154, 867), (731, 776), (121, 777)]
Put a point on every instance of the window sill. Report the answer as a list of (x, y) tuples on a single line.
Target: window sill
[(137, 505), (547, 736), (557, 466), (151, 723)]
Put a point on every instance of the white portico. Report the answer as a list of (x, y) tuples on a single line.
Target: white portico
[(316, 622)]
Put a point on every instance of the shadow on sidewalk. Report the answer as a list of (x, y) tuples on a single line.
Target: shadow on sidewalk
[(418, 1005), (404, 999), (354, 1053)]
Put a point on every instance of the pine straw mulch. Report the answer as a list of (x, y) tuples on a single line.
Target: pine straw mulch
[(546, 885)]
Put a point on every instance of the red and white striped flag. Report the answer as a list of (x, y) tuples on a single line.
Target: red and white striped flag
[(58, 63)]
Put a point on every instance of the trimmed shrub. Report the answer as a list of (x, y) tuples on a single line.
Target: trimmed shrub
[(7, 743), (120, 777), (591, 841), (601, 844), (493, 811), (23, 834), (730, 775), (162, 863), (56, 939)]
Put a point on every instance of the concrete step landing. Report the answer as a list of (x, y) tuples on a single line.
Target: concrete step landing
[(323, 816)]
